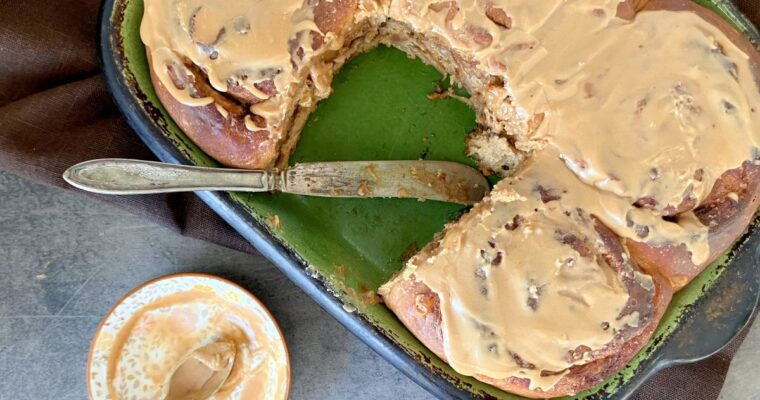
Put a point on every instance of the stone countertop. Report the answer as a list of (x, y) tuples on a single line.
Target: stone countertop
[(66, 259)]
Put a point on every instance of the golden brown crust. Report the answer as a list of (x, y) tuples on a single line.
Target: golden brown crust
[(734, 198), (418, 309), (225, 138), (223, 134), (727, 212)]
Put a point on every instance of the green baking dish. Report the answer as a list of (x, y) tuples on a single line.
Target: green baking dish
[(340, 250)]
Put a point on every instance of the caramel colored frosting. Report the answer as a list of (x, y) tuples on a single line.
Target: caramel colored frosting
[(181, 340), (523, 283), (243, 44), (628, 121), (592, 78)]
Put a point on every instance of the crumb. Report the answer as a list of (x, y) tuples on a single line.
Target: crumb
[(441, 94), (274, 222)]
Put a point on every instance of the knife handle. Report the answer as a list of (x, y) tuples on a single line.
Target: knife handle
[(123, 176)]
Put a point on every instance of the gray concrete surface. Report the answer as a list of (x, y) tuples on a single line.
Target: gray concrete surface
[(65, 259)]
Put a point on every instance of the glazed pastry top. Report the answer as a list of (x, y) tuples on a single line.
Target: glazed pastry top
[(630, 122), (527, 284), (627, 128), (239, 43)]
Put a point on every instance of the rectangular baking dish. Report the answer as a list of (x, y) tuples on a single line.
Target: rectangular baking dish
[(339, 251)]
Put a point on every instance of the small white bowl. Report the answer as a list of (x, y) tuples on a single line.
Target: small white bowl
[(140, 352)]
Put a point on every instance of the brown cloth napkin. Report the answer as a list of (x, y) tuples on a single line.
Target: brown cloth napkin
[(55, 111)]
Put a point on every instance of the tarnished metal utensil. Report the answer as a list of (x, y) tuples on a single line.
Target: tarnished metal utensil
[(425, 180)]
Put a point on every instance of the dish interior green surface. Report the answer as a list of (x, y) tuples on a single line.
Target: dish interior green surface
[(379, 111)]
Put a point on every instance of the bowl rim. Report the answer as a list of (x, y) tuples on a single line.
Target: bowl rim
[(182, 275), (111, 59)]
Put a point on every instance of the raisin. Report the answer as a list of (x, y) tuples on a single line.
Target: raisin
[(516, 221), (498, 16), (496, 260)]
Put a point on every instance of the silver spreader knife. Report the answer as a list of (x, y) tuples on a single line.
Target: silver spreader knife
[(425, 180)]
